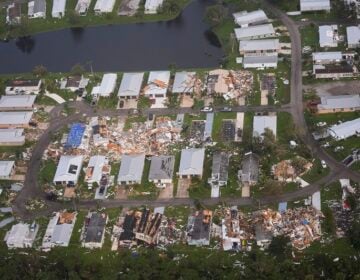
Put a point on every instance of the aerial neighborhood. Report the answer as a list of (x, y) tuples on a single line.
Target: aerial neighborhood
[(258, 154)]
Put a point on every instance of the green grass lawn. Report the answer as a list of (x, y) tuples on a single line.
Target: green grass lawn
[(316, 172), (285, 128), (47, 172), (310, 36), (133, 119), (248, 128), (179, 213)]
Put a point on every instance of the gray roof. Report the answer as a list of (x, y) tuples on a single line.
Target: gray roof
[(327, 35), (131, 84), (39, 6), (62, 233), (208, 125), (249, 168), (314, 5), (353, 35), (184, 82), (244, 17), (254, 31), (192, 161), (95, 228), (339, 102), (263, 59), (162, 167), (325, 56), (220, 165), (259, 45), (262, 122), (19, 101), (131, 168), (15, 118)]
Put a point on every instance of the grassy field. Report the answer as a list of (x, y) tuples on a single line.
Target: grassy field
[(72, 20)]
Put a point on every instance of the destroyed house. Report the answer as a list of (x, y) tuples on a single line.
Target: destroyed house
[(249, 172), (131, 169), (130, 86), (75, 136), (191, 163), (59, 230), (127, 234), (218, 82), (37, 9), (184, 82), (219, 170), (17, 102), (245, 19), (94, 230), (82, 7), (148, 227), (68, 170), (74, 83), (17, 87), (95, 169), (199, 228), (13, 13), (162, 169)]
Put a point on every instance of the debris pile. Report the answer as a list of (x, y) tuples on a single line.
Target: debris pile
[(301, 225)]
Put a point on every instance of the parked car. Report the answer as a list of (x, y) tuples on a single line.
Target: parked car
[(226, 109), (323, 164), (207, 109)]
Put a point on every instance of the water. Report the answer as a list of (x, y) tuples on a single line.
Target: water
[(185, 42)]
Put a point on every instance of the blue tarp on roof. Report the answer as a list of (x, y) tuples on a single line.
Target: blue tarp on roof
[(75, 135)]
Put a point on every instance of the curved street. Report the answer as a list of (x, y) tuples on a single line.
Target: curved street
[(337, 170)]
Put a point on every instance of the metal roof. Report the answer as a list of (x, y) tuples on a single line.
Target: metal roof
[(131, 168), (220, 165), (250, 168), (324, 56), (345, 130), (353, 35), (339, 102), (131, 84), (68, 169), (208, 126), (260, 59), (244, 17), (58, 7), (96, 163), (8, 101), (259, 45), (39, 6), (184, 82), (161, 76), (153, 5), (192, 161), (162, 167), (108, 84), (254, 31), (12, 135), (6, 166), (314, 5), (262, 122), (327, 35), (15, 118), (104, 6)]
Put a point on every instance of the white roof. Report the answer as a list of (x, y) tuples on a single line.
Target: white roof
[(131, 84), (262, 122), (244, 17), (12, 135), (153, 5), (319, 56), (345, 130), (131, 167), (353, 35), (9, 101), (59, 6), (97, 163), (15, 118), (6, 166), (314, 5), (82, 6), (259, 45), (254, 31), (260, 59), (104, 6), (64, 172), (327, 35), (184, 82), (162, 76), (108, 84), (192, 161), (339, 102), (18, 233), (316, 200)]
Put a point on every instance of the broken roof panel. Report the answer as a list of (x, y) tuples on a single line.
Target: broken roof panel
[(162, 167)]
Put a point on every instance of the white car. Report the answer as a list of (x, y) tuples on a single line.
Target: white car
[(323, 164), (206, 109)]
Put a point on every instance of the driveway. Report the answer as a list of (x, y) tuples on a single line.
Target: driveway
[(183, 188)]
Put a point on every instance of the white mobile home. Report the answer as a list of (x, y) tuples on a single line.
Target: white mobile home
[(104, 6), (58, 8), (255, 32), (37, 9), (12, 137), (17, 102), (108, 84), (152, 6), (158, 83), (261, 123), (315, 5), (245, 19), (131, 85)]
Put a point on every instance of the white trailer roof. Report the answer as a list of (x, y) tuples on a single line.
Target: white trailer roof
[(191, 162), (68, 169), (345, 130), (6, 166), (320, 56), (58, 6), (327, 35), (244, 17), (314, 5), (158, 76), (262, 122), (108, 84), (254, 31), (104, 6), (13, 101), (339, 102), (184, 82), (131, 84), (12, 135), (15, 118), (259, 45), (353, 35)]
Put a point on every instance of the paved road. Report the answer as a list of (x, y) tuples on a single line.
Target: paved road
[(338, 170)]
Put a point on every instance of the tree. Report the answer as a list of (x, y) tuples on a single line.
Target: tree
[(170, 7), (354, 234), (77, 69), (299, 165), (279, 247), (215, 15), (73, 17), (23, 27), (40, 71)]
